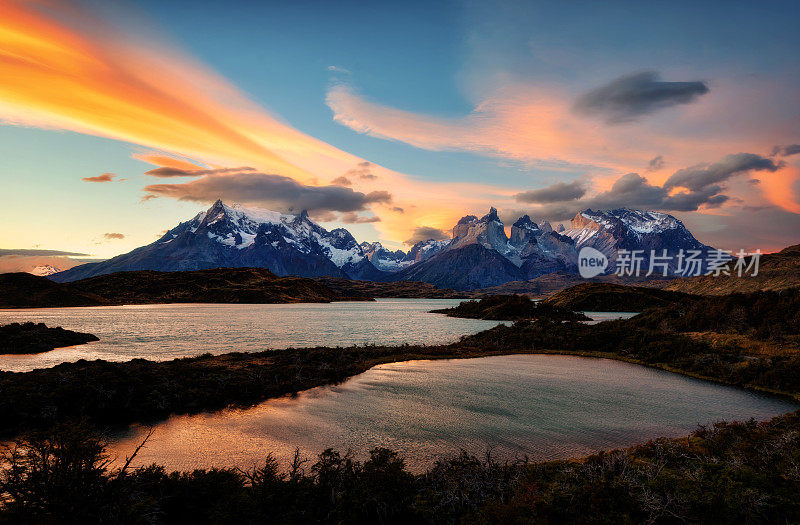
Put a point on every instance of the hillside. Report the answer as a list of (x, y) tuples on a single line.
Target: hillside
[(220, 285), (777, 271), (546, 285), (399, 289), (23, 290), (510, 308), (609, 297)]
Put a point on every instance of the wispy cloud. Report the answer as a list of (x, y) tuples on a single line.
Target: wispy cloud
[(166, 171), (105, 177), (37, 252), (113, 236)]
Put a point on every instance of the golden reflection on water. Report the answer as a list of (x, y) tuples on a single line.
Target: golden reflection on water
[(545, 407)]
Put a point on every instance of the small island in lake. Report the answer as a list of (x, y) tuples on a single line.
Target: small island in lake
[(510, 308), (34, 338)]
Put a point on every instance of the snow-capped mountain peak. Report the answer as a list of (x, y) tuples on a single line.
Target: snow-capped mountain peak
[(479, 250), (44, 270)]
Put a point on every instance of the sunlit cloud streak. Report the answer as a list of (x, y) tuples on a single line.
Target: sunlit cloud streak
[(65, 68), (105, 177)]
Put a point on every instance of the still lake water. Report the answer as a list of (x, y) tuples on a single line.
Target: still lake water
[(542, 406), (166, 331)]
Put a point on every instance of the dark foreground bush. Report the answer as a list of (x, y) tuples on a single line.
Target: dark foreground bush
[(727, 473)]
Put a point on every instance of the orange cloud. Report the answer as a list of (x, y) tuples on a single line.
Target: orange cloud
[(538, 125), (64, 68), (779, 188), (166, 161)]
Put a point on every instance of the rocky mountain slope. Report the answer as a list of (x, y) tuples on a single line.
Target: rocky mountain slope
[(478, 255), (234, 237), (624, 229)]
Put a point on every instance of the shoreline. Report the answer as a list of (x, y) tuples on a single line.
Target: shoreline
[(241, 360)]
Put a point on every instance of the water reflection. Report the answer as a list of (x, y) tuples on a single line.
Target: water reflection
[(543, 406)]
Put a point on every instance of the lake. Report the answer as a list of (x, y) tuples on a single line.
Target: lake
[(165, 331), (542, 406)]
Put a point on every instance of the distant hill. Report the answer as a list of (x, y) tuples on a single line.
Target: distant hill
[(546, 285), (220, 285), (777, 271), (24, 290), (399, 289), (609, 297)]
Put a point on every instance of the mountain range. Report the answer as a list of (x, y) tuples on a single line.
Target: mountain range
[(479, 254)]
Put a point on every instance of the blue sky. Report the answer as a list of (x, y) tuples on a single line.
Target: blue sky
[(470, 103)]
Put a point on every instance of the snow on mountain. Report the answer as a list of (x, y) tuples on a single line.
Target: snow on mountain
[(44, 270), (424, 250), (232, 236), (625, 229), (478, 252), (385, 260), (238, 227)]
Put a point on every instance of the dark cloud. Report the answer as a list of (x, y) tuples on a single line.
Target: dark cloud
[(558, 192), (362, 171), (698, 177), (655, 163), (166, 171), (637, 94), (111, 236), (398, 209), (354, 218), (105, 177), (342, 181), (633, 191), (785, 151), (271, 191), (424, 233), (38, 253)]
